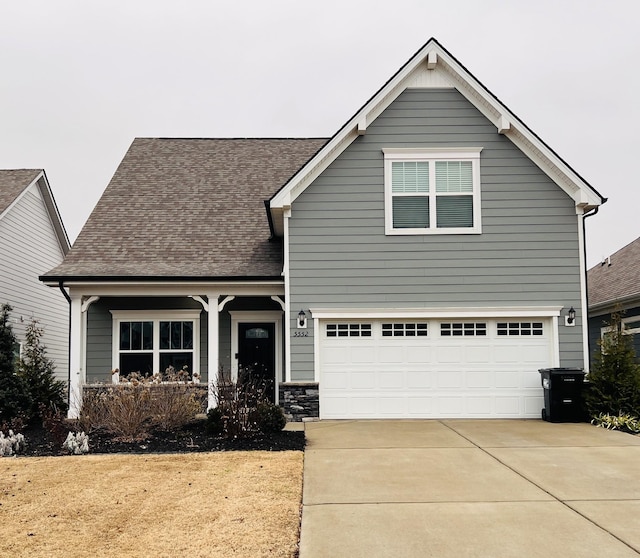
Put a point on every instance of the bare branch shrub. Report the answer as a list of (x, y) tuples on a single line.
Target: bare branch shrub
[(237, 402), (174, 406), (128, 412), (93, 410), (132, 411)]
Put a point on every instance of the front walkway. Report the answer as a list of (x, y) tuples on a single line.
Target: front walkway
[(464, 488)]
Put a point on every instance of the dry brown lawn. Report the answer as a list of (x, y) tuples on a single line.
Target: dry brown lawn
[(200, 504)]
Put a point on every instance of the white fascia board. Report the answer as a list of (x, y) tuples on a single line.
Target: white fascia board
[(466, 312), (508, 124), (433, 56), (266, 288), (349, 131), (307, 174), (41, 184)]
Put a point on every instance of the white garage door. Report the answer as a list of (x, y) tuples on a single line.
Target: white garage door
[(484, 368)]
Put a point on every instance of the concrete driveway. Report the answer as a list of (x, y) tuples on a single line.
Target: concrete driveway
[(465, 488)]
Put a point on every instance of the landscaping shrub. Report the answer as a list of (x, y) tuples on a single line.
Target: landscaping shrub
[(15, 401), (93, 410), (269, 417), (128, 412), (76, 443), (174, 406), (614, 379), (214, 424), (37, 373), (133, 411), (625, 423), (54, 422), (238, 404), (12, 444)]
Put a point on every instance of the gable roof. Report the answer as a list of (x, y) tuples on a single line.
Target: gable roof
[(15, 183), (187, 208), (434, 66), (617, 279)]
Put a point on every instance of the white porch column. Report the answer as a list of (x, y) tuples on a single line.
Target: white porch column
[(213, 344), (76, 365)]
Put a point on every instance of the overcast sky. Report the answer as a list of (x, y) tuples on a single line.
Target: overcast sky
[(80, 79)]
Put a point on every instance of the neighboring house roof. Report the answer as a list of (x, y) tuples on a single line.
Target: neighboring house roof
[(617, 279), (187, 208), (15, 183), (434, 66)]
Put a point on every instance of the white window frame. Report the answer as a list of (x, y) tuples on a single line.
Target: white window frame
[(155, 316), (625, 329), (432, 155)]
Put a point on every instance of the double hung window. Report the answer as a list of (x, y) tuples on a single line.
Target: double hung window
[(150, 342), (432, 191)]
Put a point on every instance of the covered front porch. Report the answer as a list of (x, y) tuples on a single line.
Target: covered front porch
[(197, 330)]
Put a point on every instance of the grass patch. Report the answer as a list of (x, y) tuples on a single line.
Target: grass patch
[(207, 504)]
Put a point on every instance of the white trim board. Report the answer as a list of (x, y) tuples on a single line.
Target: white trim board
[(434, 58), (373, 313)]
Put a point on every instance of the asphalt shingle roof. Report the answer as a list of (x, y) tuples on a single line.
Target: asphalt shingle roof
[(619, 278), (191, 208), (12, 183)]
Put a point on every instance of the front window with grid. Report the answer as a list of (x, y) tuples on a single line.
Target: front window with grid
[(432, 191), (404, 330), (348, 330), (463, 329), (519, 328), (149, 345)]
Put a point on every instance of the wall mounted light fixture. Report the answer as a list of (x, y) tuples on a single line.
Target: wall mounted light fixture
[(302, 320), (570, 318)]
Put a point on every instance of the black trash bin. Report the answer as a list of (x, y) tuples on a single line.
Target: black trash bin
[(562, 394)]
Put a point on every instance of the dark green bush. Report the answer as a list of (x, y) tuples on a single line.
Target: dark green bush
[(269, 417), (37, 372), (15, 401), (614, 379), (214, 424)]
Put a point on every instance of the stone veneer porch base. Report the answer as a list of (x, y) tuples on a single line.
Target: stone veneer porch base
[(300, 400)]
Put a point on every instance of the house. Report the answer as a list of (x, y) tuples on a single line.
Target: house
[(425, 261), (614, 286), (32, 241)]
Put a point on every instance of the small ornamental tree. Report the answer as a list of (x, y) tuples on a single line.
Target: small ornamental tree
[(15, 402), (614, 380), (37, 371)]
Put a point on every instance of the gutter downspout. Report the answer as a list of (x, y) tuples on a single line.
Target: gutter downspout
[(586, 278), (66, 295)]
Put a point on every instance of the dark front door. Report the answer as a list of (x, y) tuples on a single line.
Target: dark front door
[(256, 354)]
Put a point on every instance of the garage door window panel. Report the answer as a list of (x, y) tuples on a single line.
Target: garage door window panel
[(348, 330), (405, 329), (520, 329), (463, 329)]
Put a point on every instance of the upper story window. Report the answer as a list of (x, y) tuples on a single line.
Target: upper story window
[(432, 191)]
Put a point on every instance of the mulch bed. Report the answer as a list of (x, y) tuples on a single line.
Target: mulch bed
[(189, 439)]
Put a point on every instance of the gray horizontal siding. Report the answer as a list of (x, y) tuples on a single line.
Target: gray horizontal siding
[(29, 248), (526, 255), (100, 331)]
